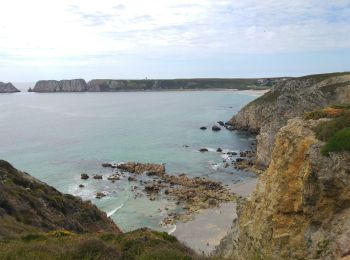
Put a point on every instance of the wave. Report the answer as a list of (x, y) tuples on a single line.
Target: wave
[(172, 230), (115, 210)]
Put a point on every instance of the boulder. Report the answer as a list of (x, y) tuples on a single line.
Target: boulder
[(215, 128), (202, 150), (219, 150), (221, 123), (203, 128), (97, 177), (84, 176)]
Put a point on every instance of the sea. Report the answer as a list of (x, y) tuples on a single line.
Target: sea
[(57, 136)]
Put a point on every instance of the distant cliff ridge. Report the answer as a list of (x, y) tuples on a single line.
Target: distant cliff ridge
[(113, 85), (7, 88)]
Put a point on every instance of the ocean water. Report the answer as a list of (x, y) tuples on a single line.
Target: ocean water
[(56, 137)]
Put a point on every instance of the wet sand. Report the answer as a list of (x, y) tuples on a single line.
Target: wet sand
[(206, 230)]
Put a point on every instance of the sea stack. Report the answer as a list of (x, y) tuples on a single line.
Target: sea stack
[(7, 88), (74, 85)]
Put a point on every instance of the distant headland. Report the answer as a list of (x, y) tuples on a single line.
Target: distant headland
[(115, 85)]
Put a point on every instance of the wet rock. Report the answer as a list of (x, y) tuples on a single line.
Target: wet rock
[(185, 145), (221, 123), (84, 176), (203, 150), (131, 178), (139, 168), (100, 195), (109, 165), (215, 128), (203, 128), (97, 177), (81, 186), (114, 177), (219, 150)]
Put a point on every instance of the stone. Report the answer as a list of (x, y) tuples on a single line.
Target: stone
[(97, 177), (84, 176), (215, 128), (221, 123), (219, 150), (203, 128), (202, 150)]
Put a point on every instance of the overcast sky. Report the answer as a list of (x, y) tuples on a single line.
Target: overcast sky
[(56, 39)]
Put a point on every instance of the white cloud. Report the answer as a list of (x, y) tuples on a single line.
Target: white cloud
[(59, 32)]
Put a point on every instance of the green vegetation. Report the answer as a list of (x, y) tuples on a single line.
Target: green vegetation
[(336, 131), (139, 244)]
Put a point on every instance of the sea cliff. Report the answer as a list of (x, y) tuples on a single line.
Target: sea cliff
[(7, 88), (300, 208), (288, 99), (74, 85)]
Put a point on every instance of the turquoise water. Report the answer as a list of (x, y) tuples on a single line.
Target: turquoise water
[(56, 137)]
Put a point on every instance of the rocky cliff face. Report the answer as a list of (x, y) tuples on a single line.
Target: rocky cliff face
[(301, 206), (7, 88), (28, 205), (74, 85), (288, 99)]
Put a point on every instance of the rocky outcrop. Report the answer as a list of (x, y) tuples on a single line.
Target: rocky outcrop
[(139, 168), (301, 206), (28, 205), (7, 88), (74, 85), (288, 99)]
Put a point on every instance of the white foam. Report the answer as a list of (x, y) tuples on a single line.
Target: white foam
[(115, 210), (172, 230)]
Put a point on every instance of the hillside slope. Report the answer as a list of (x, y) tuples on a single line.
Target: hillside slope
[(28, 205), (288, 99)]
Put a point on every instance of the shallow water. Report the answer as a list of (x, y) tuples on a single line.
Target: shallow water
[(56, 137)]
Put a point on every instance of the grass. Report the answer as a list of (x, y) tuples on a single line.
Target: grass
[(140, 244), (336, 131)]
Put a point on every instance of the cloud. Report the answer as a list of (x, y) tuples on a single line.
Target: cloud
[(54, 32)]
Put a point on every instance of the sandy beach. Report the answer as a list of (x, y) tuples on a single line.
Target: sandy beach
[(206, 230)]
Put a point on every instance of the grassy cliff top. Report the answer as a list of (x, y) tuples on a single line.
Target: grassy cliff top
[(336, 131)]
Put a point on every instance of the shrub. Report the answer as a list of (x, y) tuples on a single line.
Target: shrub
[(339, 142)]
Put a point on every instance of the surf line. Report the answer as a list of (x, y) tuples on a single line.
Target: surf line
[(115, 210)]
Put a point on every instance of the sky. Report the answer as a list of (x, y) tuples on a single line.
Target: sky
[(130, 39)]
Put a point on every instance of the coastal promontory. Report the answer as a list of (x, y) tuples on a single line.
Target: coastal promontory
[(7, 88)]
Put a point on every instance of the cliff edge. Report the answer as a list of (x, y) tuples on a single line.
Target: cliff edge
[(288, 99), (301, 206)]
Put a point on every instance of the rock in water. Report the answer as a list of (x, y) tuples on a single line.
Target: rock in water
[(203, 128), (221, 123), (202, 150), (84, 176), (7, 88), (139, 168), (215, 128)]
